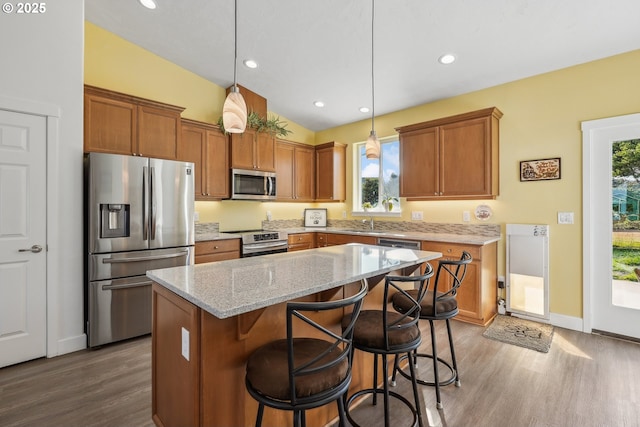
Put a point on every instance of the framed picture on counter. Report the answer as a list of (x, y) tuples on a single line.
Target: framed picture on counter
[(540, 170), (315, 217)]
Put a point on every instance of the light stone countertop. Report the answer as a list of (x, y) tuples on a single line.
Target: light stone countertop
[(469, 239), (215, 235), (229, 288)]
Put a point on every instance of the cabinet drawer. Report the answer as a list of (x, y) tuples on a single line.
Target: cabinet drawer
[(201, 259), (217, 246), (296, 239), (452, 250), (341, 239)]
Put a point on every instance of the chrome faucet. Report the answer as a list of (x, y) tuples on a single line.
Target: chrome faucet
[(370, 221)]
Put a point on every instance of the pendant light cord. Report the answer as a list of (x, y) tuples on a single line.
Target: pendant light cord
[(235, 49), (373, 92)]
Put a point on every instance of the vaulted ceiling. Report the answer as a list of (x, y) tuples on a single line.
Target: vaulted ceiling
[(310, 50)]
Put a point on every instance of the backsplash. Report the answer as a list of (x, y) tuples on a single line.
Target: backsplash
[(207, 227), (488, 230)]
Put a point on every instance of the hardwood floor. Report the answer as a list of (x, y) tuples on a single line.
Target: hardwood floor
[(585, 380)]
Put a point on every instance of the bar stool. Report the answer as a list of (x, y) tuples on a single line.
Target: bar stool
[(296, 374), (437, 305), (386, 332)]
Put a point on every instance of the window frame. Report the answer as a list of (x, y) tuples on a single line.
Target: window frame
[(356, 208)]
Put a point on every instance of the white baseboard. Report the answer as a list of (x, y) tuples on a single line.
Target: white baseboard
[(70, 344)]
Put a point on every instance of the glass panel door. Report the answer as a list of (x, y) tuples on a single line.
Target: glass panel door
[(625, 208)]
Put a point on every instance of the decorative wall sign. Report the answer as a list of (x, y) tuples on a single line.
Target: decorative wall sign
[(315, 217), (539, 170), (483, 212)]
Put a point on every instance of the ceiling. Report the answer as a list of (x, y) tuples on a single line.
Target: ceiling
[(310, 50)]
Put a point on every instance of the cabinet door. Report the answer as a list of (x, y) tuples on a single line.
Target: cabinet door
[(330, 172), (217, 165), (158, 132), (191, 149), (303, 177), (419, 164), (242, 150), (110, 126), (465, 158), (285, 171), (265, 152)]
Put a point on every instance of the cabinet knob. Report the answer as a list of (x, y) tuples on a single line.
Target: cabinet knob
[(216, 247)]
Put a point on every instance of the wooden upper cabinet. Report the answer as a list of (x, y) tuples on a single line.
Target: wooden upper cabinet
[(295, 171), (331, 163), (451, 158), (207, 147), (253, 150), (123, 124)]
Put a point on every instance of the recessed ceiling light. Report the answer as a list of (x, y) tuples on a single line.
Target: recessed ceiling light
[(250, 63), (364, 109), (447, 58), (149, 4), (319, 104)]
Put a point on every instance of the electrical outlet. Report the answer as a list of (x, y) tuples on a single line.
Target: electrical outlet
[(268, 215), (185, 343), (416, 215), (344, 214), (196, 216), (466, 216), (565, 217)]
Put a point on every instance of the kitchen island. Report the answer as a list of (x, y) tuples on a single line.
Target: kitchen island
[(208, 318)]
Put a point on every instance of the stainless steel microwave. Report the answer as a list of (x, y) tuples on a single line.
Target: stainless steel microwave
[(253, 185)]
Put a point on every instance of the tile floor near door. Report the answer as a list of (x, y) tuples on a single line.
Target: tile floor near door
[(584, 380)]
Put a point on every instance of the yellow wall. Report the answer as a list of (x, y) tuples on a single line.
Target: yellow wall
[(542, 116)]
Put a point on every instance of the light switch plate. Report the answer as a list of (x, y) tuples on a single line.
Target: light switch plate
[(185, 343), (196, 216), (565, 217), (466, 216), (416, 215)]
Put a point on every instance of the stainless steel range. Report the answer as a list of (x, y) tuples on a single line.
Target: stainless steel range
[(263, 242)]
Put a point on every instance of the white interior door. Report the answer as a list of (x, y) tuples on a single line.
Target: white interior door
[(602, 309), (23, 260)]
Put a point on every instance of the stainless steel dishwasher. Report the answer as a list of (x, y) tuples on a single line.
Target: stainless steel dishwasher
[(399, 243)]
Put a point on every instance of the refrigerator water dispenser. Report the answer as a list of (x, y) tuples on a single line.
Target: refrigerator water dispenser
[(114, 220)]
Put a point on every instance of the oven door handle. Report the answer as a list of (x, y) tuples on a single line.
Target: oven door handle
[(268, 245)]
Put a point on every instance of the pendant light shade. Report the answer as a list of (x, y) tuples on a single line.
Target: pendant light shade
[(372, 147), (234, 110)]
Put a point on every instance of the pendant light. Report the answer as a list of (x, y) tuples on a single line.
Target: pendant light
[(372, 147), (234, 110)]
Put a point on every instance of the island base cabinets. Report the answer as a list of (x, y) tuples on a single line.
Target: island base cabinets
[(478, 295), (331, 163), (175, 364)]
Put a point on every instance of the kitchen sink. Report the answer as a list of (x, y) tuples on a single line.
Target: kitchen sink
[(365, 231)]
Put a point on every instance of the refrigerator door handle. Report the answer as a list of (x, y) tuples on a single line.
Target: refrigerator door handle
[(126, 286), (145, 193), (143, 258), (152, 200)]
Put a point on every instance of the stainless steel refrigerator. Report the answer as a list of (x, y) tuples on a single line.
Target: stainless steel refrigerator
[(139, 217)]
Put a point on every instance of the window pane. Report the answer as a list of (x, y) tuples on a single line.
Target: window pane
[(379, 186)]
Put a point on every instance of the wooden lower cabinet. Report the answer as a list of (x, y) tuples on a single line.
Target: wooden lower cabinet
[(217, 250), (478, 294), (330, 239), (301, 241), (208, 389)]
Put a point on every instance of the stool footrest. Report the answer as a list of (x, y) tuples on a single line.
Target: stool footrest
[(451, 380), (380, 391)]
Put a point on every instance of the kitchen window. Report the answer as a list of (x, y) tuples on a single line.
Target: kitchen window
[(376, 181)]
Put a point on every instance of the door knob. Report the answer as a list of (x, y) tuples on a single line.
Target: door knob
[(35, 249)]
